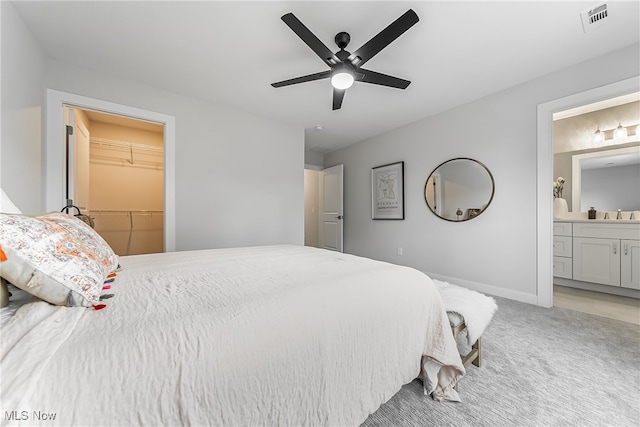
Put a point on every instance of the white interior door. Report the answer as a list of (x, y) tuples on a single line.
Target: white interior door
[(70, 180), (80, 163), (77, 191), (331, 208)]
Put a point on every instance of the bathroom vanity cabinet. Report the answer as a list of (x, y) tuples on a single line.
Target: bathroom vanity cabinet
[(598, 251)]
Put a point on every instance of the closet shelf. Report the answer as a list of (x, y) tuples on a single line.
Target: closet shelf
[(104, 142), (122, 212), (122, 153)]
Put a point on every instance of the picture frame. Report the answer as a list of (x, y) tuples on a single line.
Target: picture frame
[(387, 191), (472, 213)]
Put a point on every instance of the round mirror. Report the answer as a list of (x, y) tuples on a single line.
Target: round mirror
[(459, 189)]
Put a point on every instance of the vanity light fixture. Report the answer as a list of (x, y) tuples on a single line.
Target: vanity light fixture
[(598, 136), (620, 132)]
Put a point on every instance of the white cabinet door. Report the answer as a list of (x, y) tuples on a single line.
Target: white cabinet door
[(630, 264), (596, 260)]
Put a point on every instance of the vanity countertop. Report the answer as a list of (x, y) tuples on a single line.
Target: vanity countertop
[(600, 221)]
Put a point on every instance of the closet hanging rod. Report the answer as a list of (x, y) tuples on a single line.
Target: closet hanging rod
[(127, 145), (101, 211)]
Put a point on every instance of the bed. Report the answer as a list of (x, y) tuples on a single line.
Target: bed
[(270, 335)]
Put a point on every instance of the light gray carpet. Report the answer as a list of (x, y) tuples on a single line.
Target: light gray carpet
[(541, 367)]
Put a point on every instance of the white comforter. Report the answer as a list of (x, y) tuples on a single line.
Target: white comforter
[(279, 335)]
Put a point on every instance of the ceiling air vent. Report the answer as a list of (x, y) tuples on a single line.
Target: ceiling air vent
[(594, 17)]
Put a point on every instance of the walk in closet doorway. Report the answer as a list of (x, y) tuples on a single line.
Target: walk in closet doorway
[(117, 178)]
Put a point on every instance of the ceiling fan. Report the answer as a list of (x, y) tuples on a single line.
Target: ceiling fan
[(346, 67)]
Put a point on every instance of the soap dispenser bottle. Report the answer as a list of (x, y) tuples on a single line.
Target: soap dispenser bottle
[(592, 213)]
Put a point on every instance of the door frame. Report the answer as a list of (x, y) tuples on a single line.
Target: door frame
[(54, 152), (544, 159)]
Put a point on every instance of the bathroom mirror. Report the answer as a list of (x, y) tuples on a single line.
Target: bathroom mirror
[(607, 179), (459, 189)]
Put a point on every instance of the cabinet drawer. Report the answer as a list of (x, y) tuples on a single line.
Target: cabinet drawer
[(562, 246), (561, 228), (562, 267), (606, 230)]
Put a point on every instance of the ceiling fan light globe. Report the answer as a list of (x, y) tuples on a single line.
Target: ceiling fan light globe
[(342, 80)]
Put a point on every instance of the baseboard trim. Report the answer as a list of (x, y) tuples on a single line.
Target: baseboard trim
[(487, 289)]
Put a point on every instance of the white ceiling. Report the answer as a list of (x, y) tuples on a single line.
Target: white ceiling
[(229, 52)]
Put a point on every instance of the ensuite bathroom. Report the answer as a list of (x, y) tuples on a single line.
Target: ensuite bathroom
[(596, 208)]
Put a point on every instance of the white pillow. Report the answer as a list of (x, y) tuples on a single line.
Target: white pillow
[(6, 205), (55, 257)]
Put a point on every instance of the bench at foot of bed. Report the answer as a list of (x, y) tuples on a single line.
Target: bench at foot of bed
[(457, 326), (469, 313)]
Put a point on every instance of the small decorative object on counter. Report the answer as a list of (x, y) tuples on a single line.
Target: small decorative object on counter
[(606, 215), (557, 187), (459, 213), (592, 213), (560, 208), (632, 216), (619, 216)]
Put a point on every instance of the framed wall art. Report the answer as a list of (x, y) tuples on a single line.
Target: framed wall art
[(387, 191)]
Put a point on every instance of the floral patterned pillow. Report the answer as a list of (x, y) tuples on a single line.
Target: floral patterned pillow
[(55, 257)]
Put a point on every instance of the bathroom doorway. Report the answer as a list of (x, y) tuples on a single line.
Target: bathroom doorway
[(575, 136), (544, 179)]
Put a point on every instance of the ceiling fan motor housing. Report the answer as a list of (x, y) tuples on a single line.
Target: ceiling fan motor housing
[(342, 39)]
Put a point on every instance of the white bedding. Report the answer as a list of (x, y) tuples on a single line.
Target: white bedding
[(280, 335)]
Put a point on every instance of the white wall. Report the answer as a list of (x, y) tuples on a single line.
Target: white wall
[(495, 253), (117, 185), (239, 177), (23, 76)]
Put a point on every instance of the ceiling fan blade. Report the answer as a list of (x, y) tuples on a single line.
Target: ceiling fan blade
[(382, 79), (311, 40), (338, 96), (384, 38), (302, 79)]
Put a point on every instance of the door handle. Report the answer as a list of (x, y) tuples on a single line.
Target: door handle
[(626, 248), (339, 217), (615, 248)]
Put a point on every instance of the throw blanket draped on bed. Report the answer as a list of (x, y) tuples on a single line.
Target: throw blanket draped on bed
[(278, 335)]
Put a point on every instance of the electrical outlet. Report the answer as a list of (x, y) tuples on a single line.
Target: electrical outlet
[(399, 251)]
